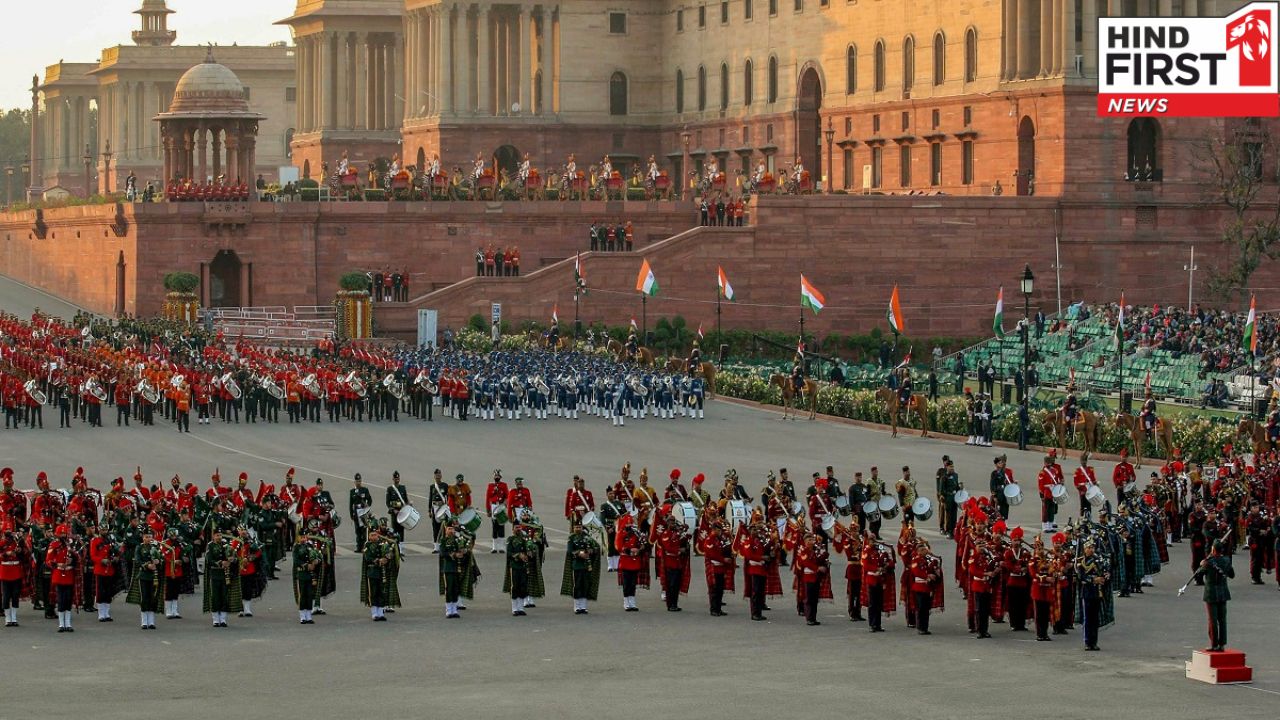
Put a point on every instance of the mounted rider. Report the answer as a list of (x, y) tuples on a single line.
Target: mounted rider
[(1070, 407), (695, 359), (553, 336), (653, 169), (797, 375), (523, 172), (632, 348), (904, 387), (1148, 414)]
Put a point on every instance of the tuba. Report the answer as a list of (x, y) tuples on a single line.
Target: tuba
[(272, 389), (147, 392), (95, 389), (33, 390), (176, 381), (355, 383), (541, 385), (229, 384), (637, 387), (389, 382), (310, 385)]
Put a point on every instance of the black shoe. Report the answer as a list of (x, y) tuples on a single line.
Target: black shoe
[(675, 609), (579, 612), (811, 623), (1092, 648), (61, 629), (877, 629), (857, 618), (759, 618), (454, 616), (318, 611), (1020, 629), (1044, 638), (983, 636), (519, 613), (924, 632), (632, 609), (493, 552)]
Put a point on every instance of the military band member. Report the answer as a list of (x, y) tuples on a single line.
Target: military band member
[(610, 511), (1083, 479), (519, 501), (379, 571), (1215, 570), (105, 556), (177, 556), (459, 495), (437, 498), (15, 562), (457, 568), (717, 551), (983, 570), (221, 579), (1046, 481), (878, 586), (578, 500), (1017, 580), (1045, 595), (495, 496), (1093, 575), (672, 547), (359, 499), (308, 561), (253, 578), (581, 578), (145, 587), (396, 498), (521, 560), (812, 569), (62, 560), (633, 563)]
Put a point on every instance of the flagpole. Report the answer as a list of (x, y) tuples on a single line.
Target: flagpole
[(576, 322), (1120, 352), (644, 318), (719, 337)]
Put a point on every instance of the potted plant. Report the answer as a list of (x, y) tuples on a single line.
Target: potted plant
[(355, 307), (181, 303)]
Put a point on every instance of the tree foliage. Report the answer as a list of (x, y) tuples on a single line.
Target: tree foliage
[(1237, 162)]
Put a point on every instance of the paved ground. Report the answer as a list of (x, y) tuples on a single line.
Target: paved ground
[(628, 665)]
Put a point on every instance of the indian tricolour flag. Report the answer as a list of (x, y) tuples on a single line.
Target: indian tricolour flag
[(646, 283), (810, 297), (579, 279), (1120, 323), (895, 313), (555, 313), (726, 290), (998, 324), (1250, 326)]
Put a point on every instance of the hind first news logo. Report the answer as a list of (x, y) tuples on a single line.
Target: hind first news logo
[(1190, 67)]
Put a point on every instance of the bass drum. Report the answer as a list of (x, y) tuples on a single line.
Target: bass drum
[(408, 517), (922, 508), (888, 507), (738, 513), (685, 514), (470, 520)]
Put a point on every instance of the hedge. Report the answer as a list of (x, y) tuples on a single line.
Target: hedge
[(1200, 438)]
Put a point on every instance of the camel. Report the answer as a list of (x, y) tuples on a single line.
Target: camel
[(1257, 434), (1055, 425), (789, 399), (1163, 435), (917, 404)]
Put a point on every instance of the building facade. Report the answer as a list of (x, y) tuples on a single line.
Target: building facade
[(104, 111), (969, 97)]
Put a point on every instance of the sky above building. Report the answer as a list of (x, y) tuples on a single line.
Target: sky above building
[(42, 32)]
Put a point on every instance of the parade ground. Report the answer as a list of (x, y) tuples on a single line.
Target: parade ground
[(556, 664)]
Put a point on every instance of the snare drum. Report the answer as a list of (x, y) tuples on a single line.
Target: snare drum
[(922, 508), (961, 497), (1094, 495), (590, 519), (1059, 493), (408, 517), (1130, 488), (842, 505), (1013, 494), (738, 513), (470, 520), (443, 513), (797, 508), (500, 513), (888, 507), (828, 523), (871, 510)]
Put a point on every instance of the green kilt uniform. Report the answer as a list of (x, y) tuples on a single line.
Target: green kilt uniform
[(587, 569), (221, 585)]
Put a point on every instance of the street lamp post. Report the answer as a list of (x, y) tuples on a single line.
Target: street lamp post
[(1191, 276), (1028, 285), (8, 185), (26, 175), (88, 163), (685, 137), (830, 132)]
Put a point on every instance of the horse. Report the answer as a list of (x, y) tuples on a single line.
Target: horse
[(788, 395), (1163, 435), (705, 370), (1256, 432), (917, 404), (643, 356), (1055, 424)]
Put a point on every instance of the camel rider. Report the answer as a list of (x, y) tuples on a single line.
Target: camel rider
[(1148, 414), (797, 374), (695, 358), (633, 345), (553, 335)]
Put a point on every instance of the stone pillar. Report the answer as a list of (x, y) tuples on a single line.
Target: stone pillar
[(1067, 37), (303, 93), (1089, 48), (233, 153), (1046, 37), (544, 59), (202, 148), (377, 83), (1165, 8), (248, 156), (426, 63), (445, 88), (361, 93), (1026, 30), (342, 77), (410, 92), (325, 93), (1010, 32), (216, 142), (499, 59), (35, 185), (245, 293), (527, 62), (553, 100), (395, 106), (1115, 8), (484, 88)]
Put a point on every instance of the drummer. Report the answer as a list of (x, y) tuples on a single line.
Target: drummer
[(578, 500), (1046, 481), (397, 497), (359, 503), (1001, 477), (437, 498), (495, 498), (907, 493), (519, 500), (1084, 479)]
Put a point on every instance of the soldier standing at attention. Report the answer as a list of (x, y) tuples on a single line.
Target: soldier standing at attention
[(1215, 570), (359, 498)]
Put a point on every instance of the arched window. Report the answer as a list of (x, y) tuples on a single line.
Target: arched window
[(618, 94), (724, 86), (773, 79), (1144, 151), (702, 88), (971, 55), (939, 58), (679, 91), (748, 83), (851, 69), (908, 64), (878, 62)]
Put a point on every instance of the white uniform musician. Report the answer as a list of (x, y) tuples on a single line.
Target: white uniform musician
[(571, 167), (394, 167), (712, 169), (759, 173), (344, 165), (606, 168), (523, 173), (797, 170), (478, 168), (433, 167), (653, 168)]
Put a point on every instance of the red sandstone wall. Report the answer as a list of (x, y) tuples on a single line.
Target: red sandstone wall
[(77, 259)]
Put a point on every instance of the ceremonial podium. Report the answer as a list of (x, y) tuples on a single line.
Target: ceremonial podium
[(1219, 668)]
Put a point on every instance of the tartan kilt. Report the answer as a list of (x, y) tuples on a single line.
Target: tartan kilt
[(643, 579), (727, 572), (469, 575), (252, 586), (135, 593), (537, 586), (824, 591), (772, 582), (889, 590), (235, 602), (390, 583), (662, 575), (593, 578)]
